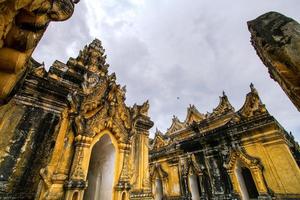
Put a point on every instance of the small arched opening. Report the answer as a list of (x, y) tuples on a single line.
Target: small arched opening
[(123, 196), (101, 170), (75, 196)]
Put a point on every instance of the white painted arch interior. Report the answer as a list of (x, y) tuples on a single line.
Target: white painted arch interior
[(101, 170)]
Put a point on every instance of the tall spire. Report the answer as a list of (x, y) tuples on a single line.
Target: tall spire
[(93, 58)]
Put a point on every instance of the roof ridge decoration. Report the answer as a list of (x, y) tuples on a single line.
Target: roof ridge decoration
[(253, 104), (193, 115), (175, 126), (223, 108), (158, 140)]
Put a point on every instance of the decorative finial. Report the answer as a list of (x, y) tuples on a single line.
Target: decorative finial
[(223, 93), (252, 86), (156, 131), (124, 88)]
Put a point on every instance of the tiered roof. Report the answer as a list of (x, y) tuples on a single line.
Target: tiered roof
[(221, 115)]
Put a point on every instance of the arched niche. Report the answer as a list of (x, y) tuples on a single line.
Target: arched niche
[(124, 196), (246, 182), (75, 196), (194, 176), (102, 168), (246, 175), (159, 181)]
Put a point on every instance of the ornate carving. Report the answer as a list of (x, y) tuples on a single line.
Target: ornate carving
[(223, 108), (193, 115), (252, 164), (252, 105), (176, 126), (101, 104), (158, 141), (158, 172), (190, 166), (236, 155)]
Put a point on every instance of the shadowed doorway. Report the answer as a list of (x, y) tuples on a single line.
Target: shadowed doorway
[(246, 182), (101, 170)]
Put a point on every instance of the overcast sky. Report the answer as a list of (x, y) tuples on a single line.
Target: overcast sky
[(177, 52)]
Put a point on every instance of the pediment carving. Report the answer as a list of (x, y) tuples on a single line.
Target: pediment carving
[(193, 115), (176, 126), (157, 172), (158, 141), (100, 102), (190, 166)]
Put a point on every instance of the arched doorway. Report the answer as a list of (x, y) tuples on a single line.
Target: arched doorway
[(246, 182), (101, 170)]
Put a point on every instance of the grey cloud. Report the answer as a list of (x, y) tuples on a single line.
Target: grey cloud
[(188, 49), (64, 39)]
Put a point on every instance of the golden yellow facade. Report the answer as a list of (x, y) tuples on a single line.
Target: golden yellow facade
[(68, 134), (226, 155), (59, 118)]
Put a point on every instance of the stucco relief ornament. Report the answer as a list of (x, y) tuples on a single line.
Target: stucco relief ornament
[(89, 83), (74, 111)]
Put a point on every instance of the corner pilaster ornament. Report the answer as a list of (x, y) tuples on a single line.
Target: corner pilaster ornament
[(140, 117)]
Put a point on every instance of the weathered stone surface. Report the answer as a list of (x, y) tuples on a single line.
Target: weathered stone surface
[(276, 39), (22, 24)]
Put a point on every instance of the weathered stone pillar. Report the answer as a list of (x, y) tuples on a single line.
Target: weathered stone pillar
[(276, 39), (77, 182), (142, 186)]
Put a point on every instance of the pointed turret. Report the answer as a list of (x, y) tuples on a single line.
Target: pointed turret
[(176, 125), (85, 70), (253, 105), (193, 115), (92, 57), (223, 108), (158, 132), (158, 140)]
